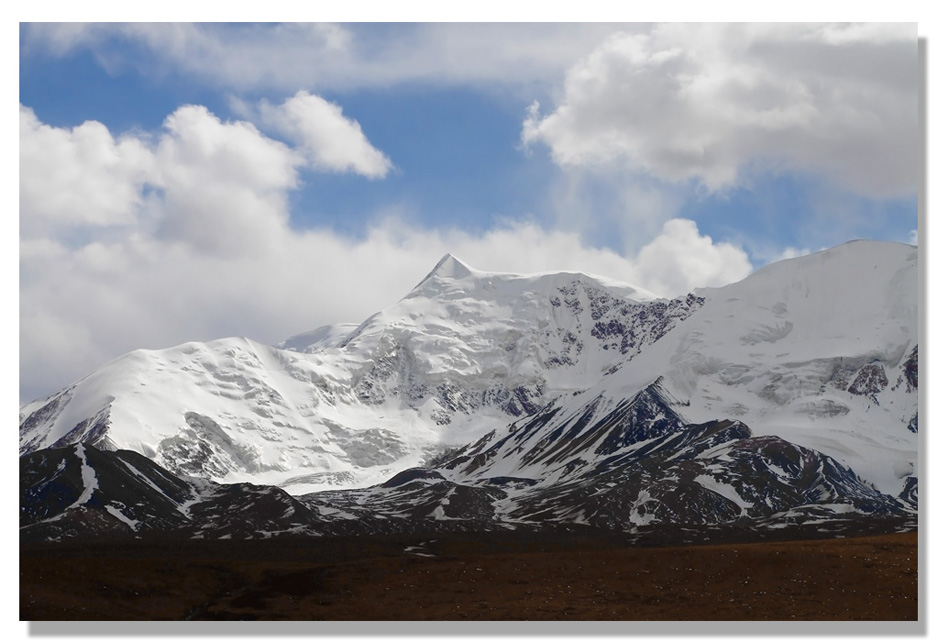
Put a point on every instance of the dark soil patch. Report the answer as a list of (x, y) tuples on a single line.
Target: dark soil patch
[(488, 577)]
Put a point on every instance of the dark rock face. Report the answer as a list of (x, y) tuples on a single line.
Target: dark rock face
[(202, 448), (80, 490), (49, 484), (910, 369), (83, 492), (870, 380), (90, 431), (41, 416), (546, 440), (421, 505), (638, 324), (247, 510), (410, 475), (714, 473), (644, 417), (910, 491)]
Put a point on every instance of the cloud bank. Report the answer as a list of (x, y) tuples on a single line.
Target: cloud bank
[(150, 240), (248, 57), (711, 102)]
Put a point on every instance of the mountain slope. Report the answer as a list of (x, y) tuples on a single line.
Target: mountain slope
[(79, 491), (463, 353), (819, 351), (638, 462)]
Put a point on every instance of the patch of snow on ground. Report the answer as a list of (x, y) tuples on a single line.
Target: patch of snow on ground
[(114, 511), (88, 478), (142, 477), (723, 489), (333, 512), (641, 519)]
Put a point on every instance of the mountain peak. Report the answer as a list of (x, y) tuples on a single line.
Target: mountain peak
[(450, 267)]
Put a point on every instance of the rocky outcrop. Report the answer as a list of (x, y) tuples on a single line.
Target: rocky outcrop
[(870, 380)]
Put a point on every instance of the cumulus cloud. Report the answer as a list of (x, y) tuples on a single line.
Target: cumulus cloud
[(207, 252), (220, 187), (79, 176), (328, 140), (223, 184), (681, 256), (710, 102)]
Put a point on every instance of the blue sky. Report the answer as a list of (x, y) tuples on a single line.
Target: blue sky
[(187, 182)]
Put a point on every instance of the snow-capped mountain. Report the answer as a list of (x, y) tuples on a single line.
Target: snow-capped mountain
[(632, 468), (816, 354), (637, 471), (465, 352), (639, 462), (821, 351)]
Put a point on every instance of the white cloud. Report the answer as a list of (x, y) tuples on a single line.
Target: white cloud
[(600, 203), (675, 262), (209, 253), (82, 307), (709, 102), (61, 38), (330, 56), (223, 184), (680, 257), (848, 33), (329, 140), (78, 176), (913, 237), (220, 187), (792, 253)]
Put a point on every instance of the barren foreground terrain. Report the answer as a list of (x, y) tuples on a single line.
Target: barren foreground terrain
[(478, 578)]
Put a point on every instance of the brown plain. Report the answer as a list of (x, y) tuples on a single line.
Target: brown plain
[(466, 578)]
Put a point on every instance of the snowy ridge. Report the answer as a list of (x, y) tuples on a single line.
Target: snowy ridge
[(695, 477), (319, 339), (819, 351), (699, 476), (462, 354)]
